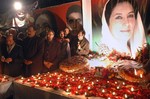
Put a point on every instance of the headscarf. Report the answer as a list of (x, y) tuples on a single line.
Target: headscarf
[(137, 41)]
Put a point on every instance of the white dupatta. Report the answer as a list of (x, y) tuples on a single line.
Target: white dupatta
[(137, 41)]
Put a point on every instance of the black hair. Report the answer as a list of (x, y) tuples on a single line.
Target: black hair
[(112, 3), (33, 26), (73, 8), (82, 30), (11, 35), (51, 30)]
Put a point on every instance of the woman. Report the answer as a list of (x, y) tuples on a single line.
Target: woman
[(122, 28)]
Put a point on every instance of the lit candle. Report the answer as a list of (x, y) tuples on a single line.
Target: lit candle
[(118, 87), (76, 92), (55, 73), (84, 78), (28, 80), (123, 83), (4, 77), (125, 96), (107, 81), (38, 74), (89, 87), (135, 72), (58, 83), (114, 93), (33, 76), (141, 76), (79, 87), (85, 93), (50, 82), (66, 75), (67, 90), (132, 89), (68, 85), (39, 78), (58, 78), (103, 90), (109, 98), (36, 82), (46, 85), (116, 82), (22, 78), (92, 83), (83, 81)]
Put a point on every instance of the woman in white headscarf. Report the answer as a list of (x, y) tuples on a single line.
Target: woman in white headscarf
[(122, 28)]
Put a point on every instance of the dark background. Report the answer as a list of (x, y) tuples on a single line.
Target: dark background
[(8, 4)]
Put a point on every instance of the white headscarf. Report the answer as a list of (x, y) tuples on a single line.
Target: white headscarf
[(137, 41)]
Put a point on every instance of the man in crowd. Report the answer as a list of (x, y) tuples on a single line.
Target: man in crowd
[(52, 55), (12, 57), (81, 45), (33, 48)]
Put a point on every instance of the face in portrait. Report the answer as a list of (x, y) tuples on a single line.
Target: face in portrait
[(45, 17), (74, 18), (122, 28)]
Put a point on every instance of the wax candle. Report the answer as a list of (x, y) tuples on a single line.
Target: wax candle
[(79, 87), (135, 72), (92, 83), (89, 88), (141, 76), (123, 83), (125, 96), (118, 87), (103, 90), (132, 89), (114, 93)]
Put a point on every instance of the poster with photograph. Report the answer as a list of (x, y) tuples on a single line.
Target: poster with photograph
[(121, 25)]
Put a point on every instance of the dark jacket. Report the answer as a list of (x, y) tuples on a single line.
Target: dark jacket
[(52, 54), (13, 68), (33, 49)]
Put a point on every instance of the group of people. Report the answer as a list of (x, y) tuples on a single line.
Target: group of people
[(39, 54), (122, 30)]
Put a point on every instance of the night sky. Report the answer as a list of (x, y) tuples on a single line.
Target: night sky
[(8, 4)]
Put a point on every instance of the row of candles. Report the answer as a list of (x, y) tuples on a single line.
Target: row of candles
[(84, 84)]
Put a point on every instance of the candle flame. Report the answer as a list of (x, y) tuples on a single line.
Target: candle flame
[(141, 76), (135, 72)]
